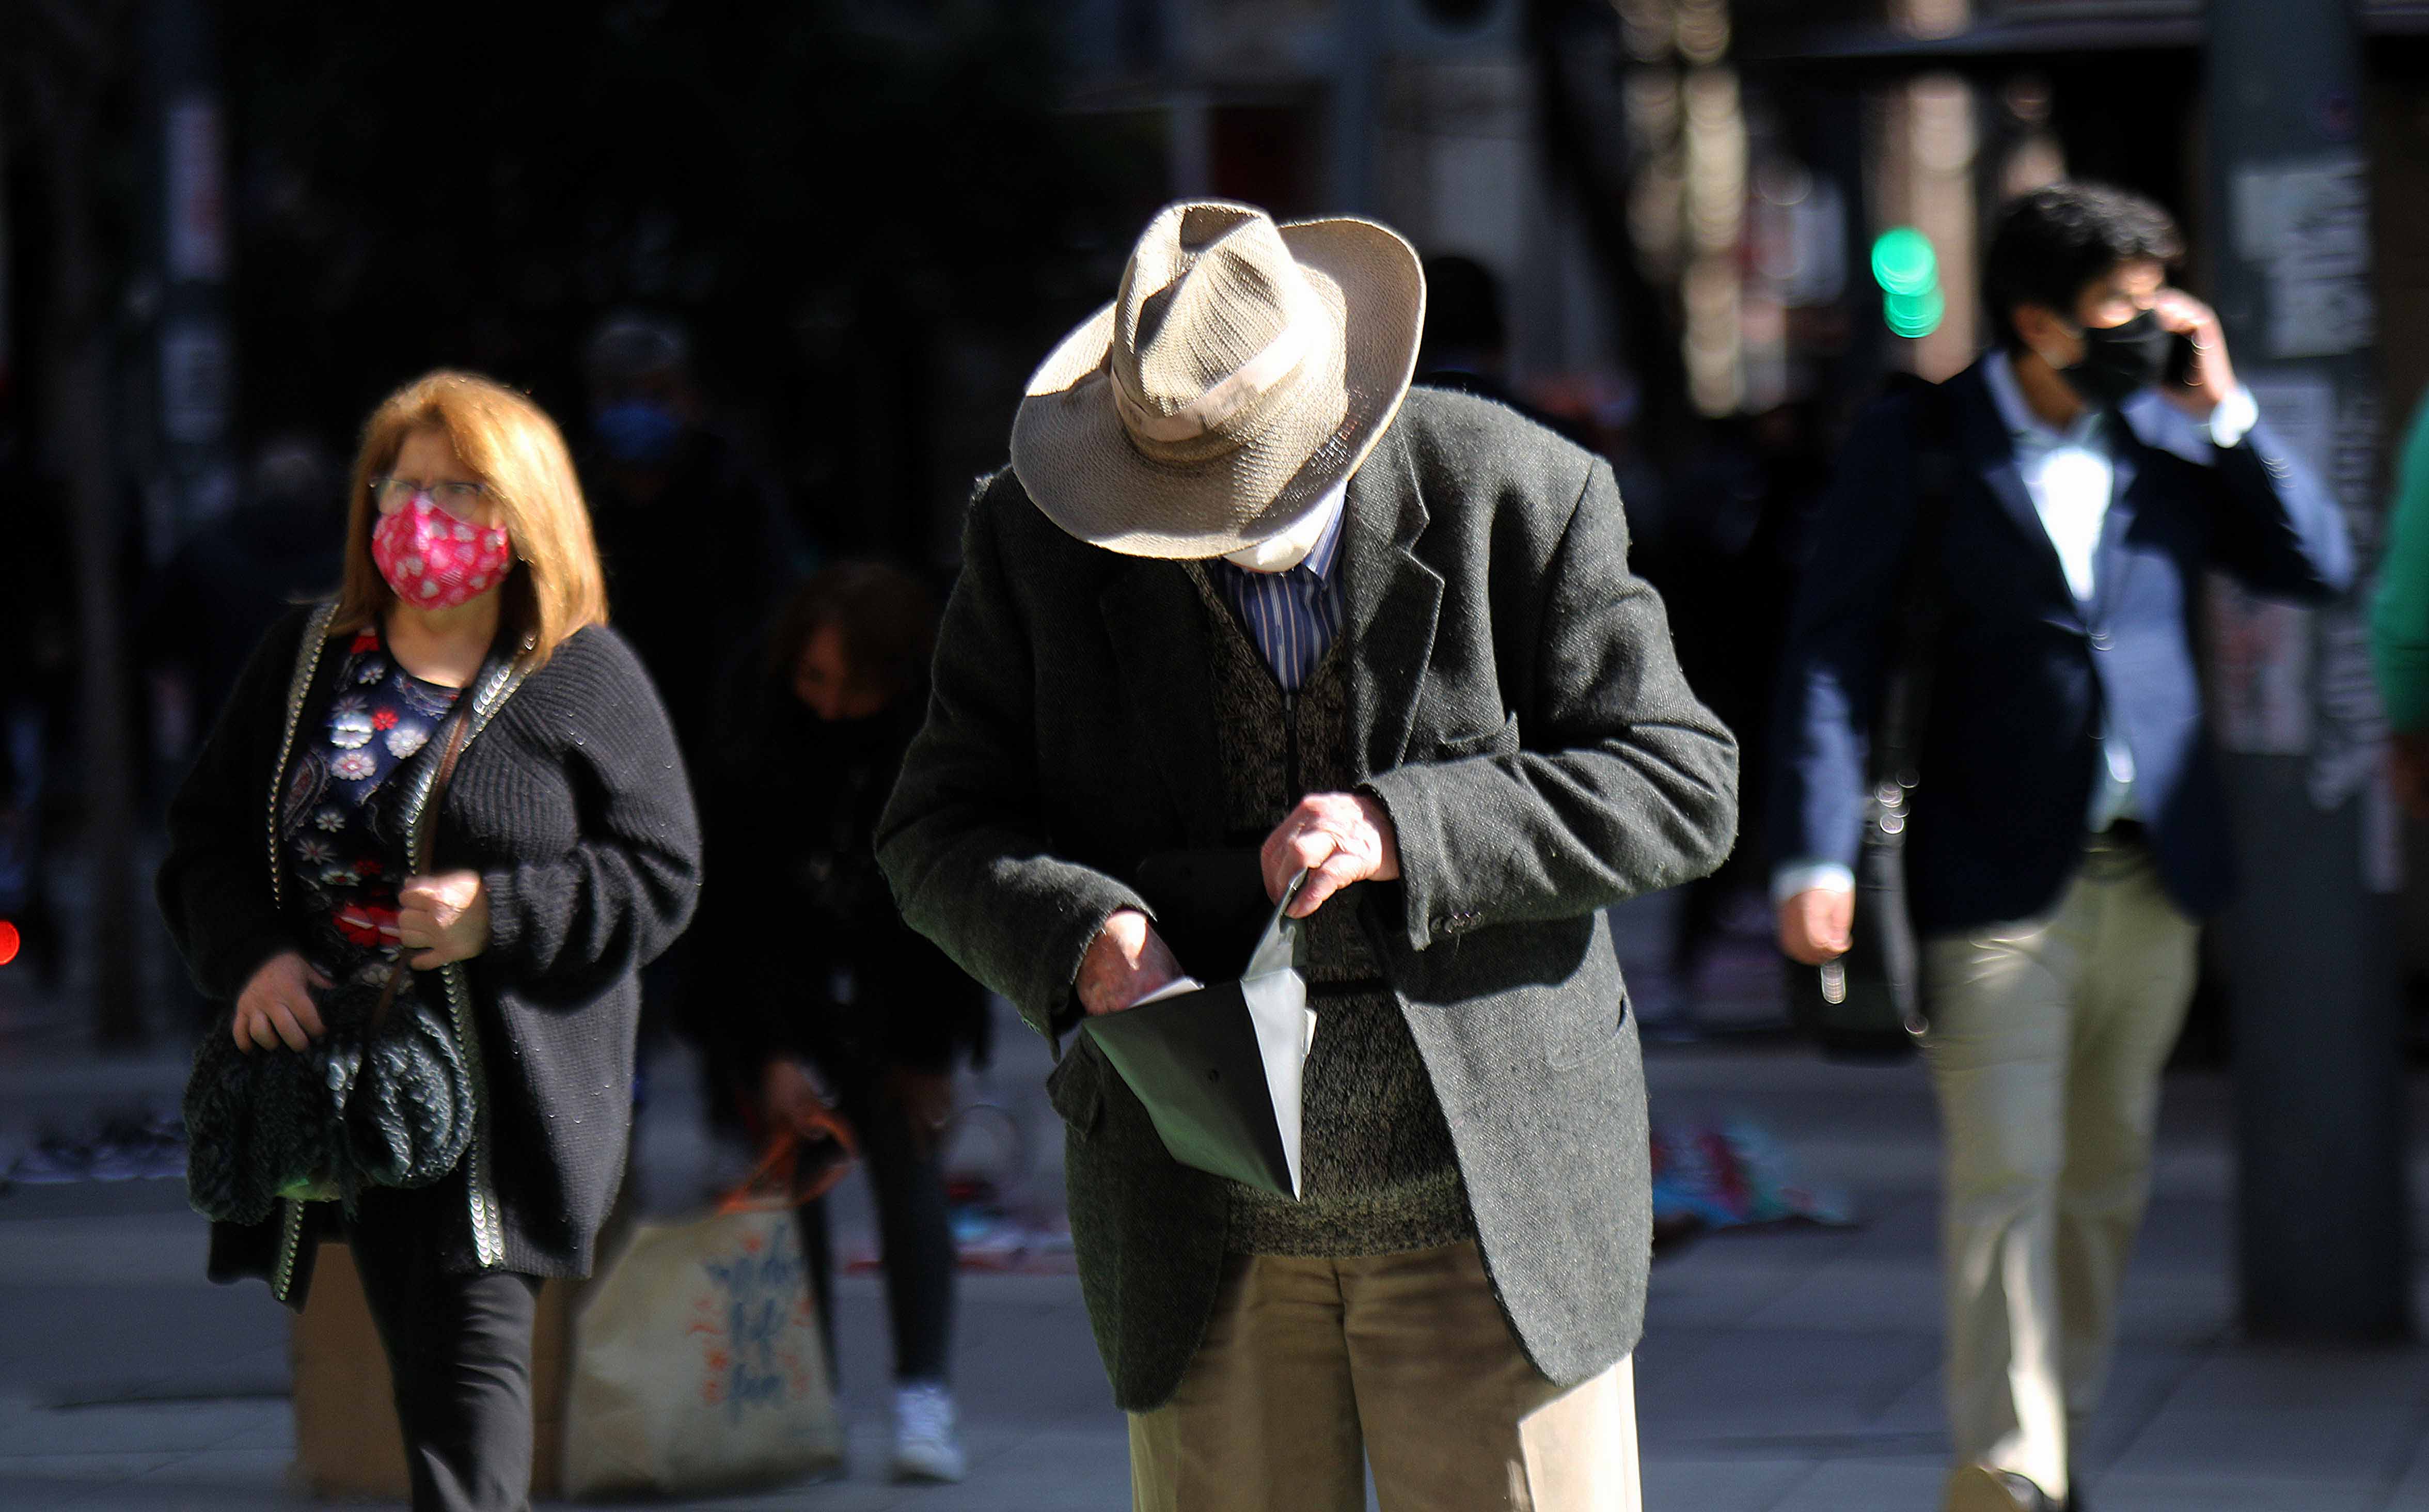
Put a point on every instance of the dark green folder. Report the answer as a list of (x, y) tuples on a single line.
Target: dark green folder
[(1195, 1062)]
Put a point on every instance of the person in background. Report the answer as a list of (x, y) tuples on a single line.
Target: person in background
[(1466, 347), (1722, 557), (2399, 622), (2070, 827), (565, 856), (699, 544), (828, 1006), (233, 579)]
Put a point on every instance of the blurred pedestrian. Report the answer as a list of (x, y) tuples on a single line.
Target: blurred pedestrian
[(239, 576), (1246, 604), (699, 541), (467, 651), (699, 546), (1465, 345), (1722, 556), (2399, 624), (828, 1006), (2069, 826)]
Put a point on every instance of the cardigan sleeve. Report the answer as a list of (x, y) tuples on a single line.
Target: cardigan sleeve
[(574, 923), (1626, 784), (214, 887)]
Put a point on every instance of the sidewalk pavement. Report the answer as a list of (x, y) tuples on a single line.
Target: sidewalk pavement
[(1783, 1370)]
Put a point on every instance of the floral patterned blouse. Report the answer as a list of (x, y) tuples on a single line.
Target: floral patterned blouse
[(341, 827)]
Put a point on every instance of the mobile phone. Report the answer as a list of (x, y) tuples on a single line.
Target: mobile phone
[(2181, 356)]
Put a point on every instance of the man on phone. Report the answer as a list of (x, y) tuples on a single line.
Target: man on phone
[(2068, 827)]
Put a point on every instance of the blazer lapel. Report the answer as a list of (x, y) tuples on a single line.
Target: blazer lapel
[(1982, 436), (1157, 625), (1390, 603), (2112, 562)]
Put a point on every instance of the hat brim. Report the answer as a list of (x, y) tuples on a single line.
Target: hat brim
[(1078, 465)]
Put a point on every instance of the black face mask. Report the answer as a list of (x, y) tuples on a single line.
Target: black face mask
[(2119, 360)]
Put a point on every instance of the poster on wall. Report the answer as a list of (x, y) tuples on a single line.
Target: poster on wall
[(2261, 650)]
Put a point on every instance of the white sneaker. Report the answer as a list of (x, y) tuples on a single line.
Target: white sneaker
[(924, 1446)]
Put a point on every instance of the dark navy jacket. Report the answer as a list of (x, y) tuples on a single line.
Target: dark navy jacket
[(2012, 736)]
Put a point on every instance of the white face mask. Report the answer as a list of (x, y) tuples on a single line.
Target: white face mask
[(1292, 546)]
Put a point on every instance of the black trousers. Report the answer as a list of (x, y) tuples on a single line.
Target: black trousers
[(459, 1347), (914, 1226)]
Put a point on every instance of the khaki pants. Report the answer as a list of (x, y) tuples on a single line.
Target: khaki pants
[(1311, 1368), (2047, 1037)]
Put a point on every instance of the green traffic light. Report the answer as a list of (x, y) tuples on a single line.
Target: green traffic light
[(1912, 315), (1904, 263)]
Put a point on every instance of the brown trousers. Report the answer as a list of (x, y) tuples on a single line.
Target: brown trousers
[(1312, 1370)]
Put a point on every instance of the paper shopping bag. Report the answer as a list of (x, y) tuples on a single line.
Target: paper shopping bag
[(698, 1365)]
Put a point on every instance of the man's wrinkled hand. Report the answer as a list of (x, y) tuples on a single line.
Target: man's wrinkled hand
[(1336, 838), (1815, 924), (1126, 961)]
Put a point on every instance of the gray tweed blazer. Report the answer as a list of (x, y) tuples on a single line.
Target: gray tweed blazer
[(1516, 704)]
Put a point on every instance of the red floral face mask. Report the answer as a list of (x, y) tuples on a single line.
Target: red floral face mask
[(435, 560)]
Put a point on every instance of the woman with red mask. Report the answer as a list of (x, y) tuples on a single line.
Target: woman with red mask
[(461, 699)]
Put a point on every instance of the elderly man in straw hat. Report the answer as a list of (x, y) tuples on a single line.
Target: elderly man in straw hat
[(1243, 592)]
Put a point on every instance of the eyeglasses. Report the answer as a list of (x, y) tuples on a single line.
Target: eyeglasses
[(449, 494)]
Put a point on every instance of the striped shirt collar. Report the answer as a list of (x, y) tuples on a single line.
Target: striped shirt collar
[(1319, 557), (1318, 560), (1291, 616)]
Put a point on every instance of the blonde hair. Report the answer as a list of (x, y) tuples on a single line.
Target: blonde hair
[(558, 585)]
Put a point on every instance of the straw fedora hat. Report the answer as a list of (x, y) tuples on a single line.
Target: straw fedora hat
[(1242, 372)]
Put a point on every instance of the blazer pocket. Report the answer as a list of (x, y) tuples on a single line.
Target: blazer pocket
[(1074, 1088), (1500, 741)]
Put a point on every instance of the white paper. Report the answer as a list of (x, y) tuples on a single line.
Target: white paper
[(1285, 1033), (1170, 990)]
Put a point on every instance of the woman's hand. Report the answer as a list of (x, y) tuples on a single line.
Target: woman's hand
[(275, 1006), (445, 917)]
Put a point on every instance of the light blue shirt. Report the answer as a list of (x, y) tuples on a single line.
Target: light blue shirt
[(2070, 476)]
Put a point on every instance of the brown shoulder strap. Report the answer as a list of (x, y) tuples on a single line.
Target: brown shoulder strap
[(456, 725), (447, 758)]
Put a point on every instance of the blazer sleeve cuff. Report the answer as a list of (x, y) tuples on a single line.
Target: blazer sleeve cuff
[(2233, 418), (1062, 1011), (1426, 909)]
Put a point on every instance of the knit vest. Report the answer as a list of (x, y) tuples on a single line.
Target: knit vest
[(1378, 1171)]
